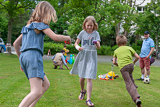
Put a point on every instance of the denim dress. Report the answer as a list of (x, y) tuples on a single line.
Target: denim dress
[(32, 50), (85, 64)]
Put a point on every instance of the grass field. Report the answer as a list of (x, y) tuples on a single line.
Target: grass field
[(64, 89)]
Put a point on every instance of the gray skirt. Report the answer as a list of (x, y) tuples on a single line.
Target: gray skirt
[(85, 64)]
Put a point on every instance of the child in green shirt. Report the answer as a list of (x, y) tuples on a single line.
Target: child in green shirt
[(123, 55)]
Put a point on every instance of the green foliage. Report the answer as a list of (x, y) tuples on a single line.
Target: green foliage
[(105, 50), (57, 47), (60, 26), (72, 49), (3, 27), (71, 14), (137, 47), (54, 47)]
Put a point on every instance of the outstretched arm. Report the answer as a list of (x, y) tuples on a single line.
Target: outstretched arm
[(114, 61), (55, 37), (64, 62), (136, 59)]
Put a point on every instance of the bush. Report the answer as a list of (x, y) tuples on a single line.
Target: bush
[(54, 47), (104, 50), (136, 48)]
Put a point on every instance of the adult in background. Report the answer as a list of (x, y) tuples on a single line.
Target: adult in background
[(145, 55), (58, 60)]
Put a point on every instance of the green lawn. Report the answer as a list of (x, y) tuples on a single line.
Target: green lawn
[(64, 89)]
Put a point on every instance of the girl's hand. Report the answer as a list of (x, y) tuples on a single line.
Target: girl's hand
[(94, 41), (21, 68), (69, 40), (97, 43), (80, 49)]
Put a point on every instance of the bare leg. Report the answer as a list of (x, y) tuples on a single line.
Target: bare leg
[(81, 81), (45, 86), (89, 91), (36, 91), (89, 88), (148, 71), (83, 91), (143, 71)]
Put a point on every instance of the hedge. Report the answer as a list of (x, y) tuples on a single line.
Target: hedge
[(104, 50)]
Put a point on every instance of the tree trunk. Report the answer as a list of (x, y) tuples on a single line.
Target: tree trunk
[(136, 38), (9, 36), (117, 28), (125, 33)]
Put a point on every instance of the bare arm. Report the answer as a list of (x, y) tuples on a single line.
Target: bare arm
[(17, 44), (98, 45), (114, 61), (152, 49), (76, 43), (136, 58), (67, 67), (55, 37)]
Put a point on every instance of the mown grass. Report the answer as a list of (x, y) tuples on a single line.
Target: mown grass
[(64, 89)]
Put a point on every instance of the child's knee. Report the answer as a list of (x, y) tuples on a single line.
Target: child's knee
[(89, 80), (37, 93), (82, 79), (47, 85)]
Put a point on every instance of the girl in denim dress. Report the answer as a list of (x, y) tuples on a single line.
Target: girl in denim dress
[(31, 52)]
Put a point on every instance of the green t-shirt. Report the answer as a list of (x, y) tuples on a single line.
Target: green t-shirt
[(124, 55)]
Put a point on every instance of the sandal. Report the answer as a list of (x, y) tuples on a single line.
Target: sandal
[(89, 103), (61, 68), (82, 94)]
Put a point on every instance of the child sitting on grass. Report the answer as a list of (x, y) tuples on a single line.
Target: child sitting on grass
[(124, 56)]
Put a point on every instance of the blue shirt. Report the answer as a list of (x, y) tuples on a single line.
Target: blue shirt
[(63, 59), (30, 39), (146, 47)]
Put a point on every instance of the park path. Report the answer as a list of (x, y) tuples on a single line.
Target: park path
[(101, 58)]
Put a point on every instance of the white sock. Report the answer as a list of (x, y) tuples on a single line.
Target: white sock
[(147, 76), (142, 76)]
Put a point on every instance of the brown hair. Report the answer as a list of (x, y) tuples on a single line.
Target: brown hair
[(44, 12), (90, 18), (121, 40)]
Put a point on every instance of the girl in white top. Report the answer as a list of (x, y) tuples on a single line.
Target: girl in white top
[(85, 64)]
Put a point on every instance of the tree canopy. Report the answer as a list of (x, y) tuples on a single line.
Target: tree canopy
[(114, 17)]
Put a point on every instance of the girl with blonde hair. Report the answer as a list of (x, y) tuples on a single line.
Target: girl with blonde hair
[(31, 52), (85, 64)]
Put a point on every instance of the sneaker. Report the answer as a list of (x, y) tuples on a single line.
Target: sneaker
[(141, 79), (55, 67), (138, 102)]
